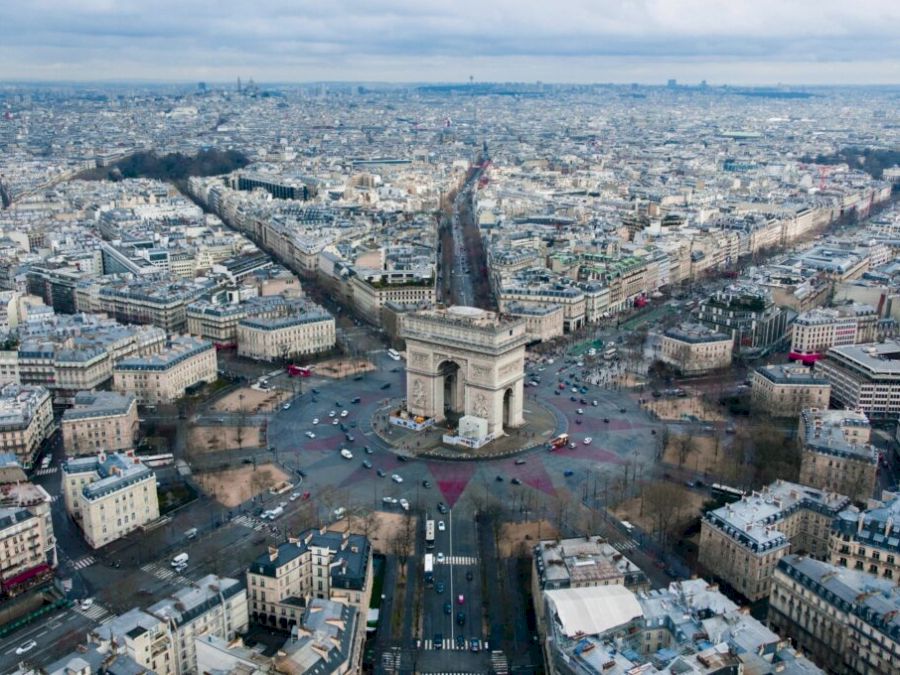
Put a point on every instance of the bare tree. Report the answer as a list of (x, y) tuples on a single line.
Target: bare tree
[(684, 446), (663, 502)]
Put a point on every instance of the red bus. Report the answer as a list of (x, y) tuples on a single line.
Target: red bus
[(302, 371), (559, 442)]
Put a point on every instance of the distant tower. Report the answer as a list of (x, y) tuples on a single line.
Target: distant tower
[(239, 85), (671, 84)]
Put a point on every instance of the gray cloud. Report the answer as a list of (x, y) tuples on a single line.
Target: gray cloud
[(429, 40)]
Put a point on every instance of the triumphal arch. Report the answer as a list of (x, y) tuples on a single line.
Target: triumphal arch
[(466, 361)]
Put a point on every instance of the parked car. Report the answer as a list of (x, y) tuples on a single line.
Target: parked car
[(397, 478), (441, 526)]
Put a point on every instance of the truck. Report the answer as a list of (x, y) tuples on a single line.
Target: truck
[(180, 559), (429, 568)]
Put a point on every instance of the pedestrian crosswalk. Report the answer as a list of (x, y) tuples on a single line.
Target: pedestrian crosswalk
[(251, 522), (164, 573), (391, 660), (499, 664), (50, 470), (458, 560), (84, 561), (446, 643), (95, 612), (623, 546)]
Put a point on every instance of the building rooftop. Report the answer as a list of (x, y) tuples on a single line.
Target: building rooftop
[(19, 404), (583, 561), (754, 520), (114, 472), (785, 374), (89, 404), (826, 431), (177, 349), (695, 333), (187, 603)]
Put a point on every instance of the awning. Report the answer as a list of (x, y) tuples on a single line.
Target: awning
[(22, 577)]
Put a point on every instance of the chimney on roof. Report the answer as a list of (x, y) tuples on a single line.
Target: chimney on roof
[(860, 522), (273, 553)]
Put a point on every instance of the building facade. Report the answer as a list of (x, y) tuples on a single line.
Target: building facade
[(25, 539), (848, 622), (836, 454), (869, 540), (165, 377), (742, 542), (864, 377), (694, 349), (785, 391), (268, 339), (100, 420), (26, 421), (109, 496)]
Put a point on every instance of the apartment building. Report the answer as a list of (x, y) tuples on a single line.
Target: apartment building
[(688, 627), (25, 539), (306, 331), (329, 639), (740, 543), (9, 368), (109, 495), (694, 349), (211, 606), (165, 377), (836, 454), (785, 390), (570, 298), (864, 377), (815, 332), (542, 323), (320, 564), (869, 540), (369, 295), (847, 621), (748, 315), (18, 493), (100, 420), (139, 636), (26, 421)]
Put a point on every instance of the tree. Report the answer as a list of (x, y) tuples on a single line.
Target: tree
[(663, 502), (684, 445)]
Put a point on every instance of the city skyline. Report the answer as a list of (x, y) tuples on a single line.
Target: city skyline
[(398, 41)]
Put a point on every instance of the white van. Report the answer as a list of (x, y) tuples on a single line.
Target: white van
[(180, 559), (191, 533)]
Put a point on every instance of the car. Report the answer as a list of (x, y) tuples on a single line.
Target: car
[(86, 604), (342, 427), (621, 410), (310, 434), (556, 392), (568, 472), (332, 413), (314, 391), (606, 419), (367, 450), (344, 413), (426, 484), (573, 399), (358, 378), (516, 481), (386, 385), (474, 644), (402, 458), (356, 399), (439, 587), (315, 420), (582, 401), (439, 557), (339, 512), (578, 421), (574, 390), (460, 642), (438, 641), (335, 422), (579, 411), (460, 618), (294, 496), (337, 404), (367, 464), (349, 437), (460, 599), (381, 474), (286, 406), (305, 496), (441, 526), (520, 462), (301, 473), (25, 647), (404, 504), (594, 403), (346, 454), (397, 478), (448, 608), (389, 500), (572, 446), (499, 479), (469, 575), (588, 440), (442, 507)]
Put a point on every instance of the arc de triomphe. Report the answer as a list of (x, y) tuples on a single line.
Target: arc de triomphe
[(466, 360)]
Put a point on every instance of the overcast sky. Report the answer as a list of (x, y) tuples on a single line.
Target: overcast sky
[(722, 41)]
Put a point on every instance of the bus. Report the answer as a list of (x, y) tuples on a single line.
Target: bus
[(559, 442), (726, 493), (429, 534), (299, 371), (394, 354), (609, 354), (429, 568)]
